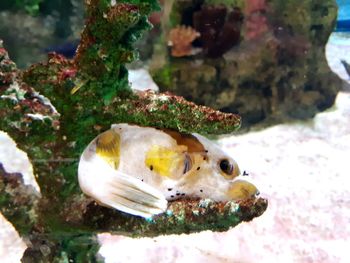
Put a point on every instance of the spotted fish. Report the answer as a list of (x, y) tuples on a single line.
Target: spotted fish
[(137, 170)]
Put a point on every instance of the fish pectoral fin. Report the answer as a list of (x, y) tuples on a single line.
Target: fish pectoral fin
[(132, 196)]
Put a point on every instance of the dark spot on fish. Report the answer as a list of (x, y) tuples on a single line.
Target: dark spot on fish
[(182, 194), (201, 191), (142, 180), (204, 158), (169, 189), (172, 196), (245, 173), (198, 168), (151, 167), (206, 151), (177, 194)]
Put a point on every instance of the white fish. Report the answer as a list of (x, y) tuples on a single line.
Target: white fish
[(137, 170)]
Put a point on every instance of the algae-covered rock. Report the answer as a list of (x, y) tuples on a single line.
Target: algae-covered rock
[(272, 66), (55, 108)]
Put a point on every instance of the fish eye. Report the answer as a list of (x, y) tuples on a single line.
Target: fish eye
[(226, 166)]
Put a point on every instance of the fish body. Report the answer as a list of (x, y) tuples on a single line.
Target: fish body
[(139, 169)]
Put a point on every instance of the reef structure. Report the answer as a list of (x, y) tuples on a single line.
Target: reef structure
[(54, 109), (262, 59)]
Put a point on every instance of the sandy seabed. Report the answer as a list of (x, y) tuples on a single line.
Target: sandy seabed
[(301, 167)]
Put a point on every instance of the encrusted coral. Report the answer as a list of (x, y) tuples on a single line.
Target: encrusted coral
[(8, 68), (180, 39)]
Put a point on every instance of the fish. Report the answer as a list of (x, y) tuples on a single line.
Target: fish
[(138, 170)]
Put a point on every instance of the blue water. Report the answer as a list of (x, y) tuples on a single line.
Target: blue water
[(344, 9)]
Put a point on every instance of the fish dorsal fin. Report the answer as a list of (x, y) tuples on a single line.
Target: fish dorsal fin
[(188, 140), (108, 147)]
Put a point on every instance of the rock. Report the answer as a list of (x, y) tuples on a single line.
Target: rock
[(275, 71)]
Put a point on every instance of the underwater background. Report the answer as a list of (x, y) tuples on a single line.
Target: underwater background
[(343, 13), (295, 145)]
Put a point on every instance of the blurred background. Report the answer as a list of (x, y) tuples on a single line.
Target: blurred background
[(31, 28), (282, 65)]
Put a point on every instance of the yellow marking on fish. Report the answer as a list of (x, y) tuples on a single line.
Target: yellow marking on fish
[(165, 161), (108, 147)]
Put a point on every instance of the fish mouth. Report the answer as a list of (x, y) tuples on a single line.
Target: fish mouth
[(242, 189)]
